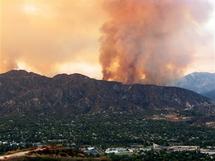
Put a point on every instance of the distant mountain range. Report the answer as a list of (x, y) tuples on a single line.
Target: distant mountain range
[(23, 93), (200, 82)]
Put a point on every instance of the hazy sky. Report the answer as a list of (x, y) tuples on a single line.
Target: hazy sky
[(55, 36)]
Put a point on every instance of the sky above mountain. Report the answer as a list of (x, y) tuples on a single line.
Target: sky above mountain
[(55, 36)]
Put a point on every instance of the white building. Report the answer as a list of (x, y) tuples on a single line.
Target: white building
[(207, 151), (183, 148), (118, 151)]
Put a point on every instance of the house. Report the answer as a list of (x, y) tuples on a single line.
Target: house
[(91, 151)]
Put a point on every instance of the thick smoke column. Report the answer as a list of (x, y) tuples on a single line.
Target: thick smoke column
[(151, 41)]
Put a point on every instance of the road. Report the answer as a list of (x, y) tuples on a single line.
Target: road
[(18, 154)]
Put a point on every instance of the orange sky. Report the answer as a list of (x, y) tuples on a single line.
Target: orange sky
[(55, 36)]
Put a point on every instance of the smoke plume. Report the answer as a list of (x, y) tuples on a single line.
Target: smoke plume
[(151, 41)]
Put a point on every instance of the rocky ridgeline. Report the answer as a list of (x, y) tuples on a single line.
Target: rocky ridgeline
[(24, 93)]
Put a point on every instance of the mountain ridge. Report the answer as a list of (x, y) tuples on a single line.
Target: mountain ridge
[(210, 94), (200, 82), (25, 93)]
